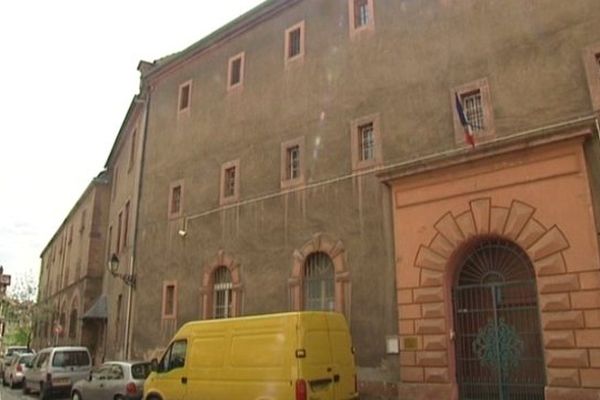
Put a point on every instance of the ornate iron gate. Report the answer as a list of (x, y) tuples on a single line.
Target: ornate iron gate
[(498, 342)]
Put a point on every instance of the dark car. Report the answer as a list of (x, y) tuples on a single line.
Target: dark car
[(113, 380)]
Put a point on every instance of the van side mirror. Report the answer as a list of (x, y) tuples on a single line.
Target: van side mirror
[(154, 365)]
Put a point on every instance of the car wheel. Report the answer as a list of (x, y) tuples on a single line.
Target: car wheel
[(43, 394), (75, 396), (119, 397), (25, 389)]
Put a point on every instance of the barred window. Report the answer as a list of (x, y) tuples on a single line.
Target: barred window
[(222, 293), (474, 110), (319, 287), (361, 13), (366, 142)]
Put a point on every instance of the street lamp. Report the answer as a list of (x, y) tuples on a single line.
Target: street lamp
[(113, 267)]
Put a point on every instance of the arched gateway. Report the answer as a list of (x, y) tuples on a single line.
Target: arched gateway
[(498, 341)]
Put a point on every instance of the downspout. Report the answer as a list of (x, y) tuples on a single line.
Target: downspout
[(130, 297)]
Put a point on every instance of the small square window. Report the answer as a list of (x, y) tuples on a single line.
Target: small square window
[(236, 71), (185, 93), (175, 199), (361, 16), (229, 182), (476, 124), (292, 163), (294, 42), (366, 142)]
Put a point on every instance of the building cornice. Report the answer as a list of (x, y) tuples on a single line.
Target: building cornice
[(576, 129)]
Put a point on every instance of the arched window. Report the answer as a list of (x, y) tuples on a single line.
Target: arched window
[(318, 282), (222, 293), (73, 324)]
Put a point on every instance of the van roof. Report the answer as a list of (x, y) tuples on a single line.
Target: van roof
[(297, 314), (65, 348)]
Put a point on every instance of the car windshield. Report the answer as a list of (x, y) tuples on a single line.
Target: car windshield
[(140, 371), (73, 358), (16, 350), (25, 359)]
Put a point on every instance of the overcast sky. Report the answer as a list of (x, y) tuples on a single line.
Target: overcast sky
[(67, 76)]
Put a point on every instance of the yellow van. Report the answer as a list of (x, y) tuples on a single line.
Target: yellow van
[(290, 356)]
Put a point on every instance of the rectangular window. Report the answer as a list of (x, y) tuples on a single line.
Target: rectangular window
[(293, 162), (366, 142), (119, 227), (126, 225), (361, 16), (185, 93), (229, 188), (175, 199), (132, 150), (361, 13), (474, 100), (230, 181), (236, 71), (294, 42), (169, 307)]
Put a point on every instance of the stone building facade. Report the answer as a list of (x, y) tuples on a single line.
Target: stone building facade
[(71, 272), (311, 155)]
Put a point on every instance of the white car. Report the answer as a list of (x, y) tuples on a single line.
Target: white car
[(54, 370), (113, 380), (13, 373)]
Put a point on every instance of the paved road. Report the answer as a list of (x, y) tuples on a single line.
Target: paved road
[(17, 394)]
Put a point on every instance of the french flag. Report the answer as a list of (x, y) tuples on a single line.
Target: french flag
[(469, 138)]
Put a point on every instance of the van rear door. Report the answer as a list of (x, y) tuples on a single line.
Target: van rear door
[(314, 356), (344, 370)]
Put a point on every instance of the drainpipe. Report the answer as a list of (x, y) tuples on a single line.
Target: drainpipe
[(131, 292)]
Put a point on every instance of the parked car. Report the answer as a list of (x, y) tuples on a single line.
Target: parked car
[(13, 374), (54, 370), (8, 354), (113, 380)]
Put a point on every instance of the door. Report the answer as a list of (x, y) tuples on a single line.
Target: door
[(498, 346), (171, 378)]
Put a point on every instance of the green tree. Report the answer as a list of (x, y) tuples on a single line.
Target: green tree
[(18, 310)]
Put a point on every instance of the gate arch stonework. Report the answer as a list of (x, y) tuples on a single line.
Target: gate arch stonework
[(425, 316)]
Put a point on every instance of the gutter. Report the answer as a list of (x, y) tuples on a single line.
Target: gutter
[(130, 294)]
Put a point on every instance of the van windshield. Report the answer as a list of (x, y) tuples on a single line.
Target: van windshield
[(75, 358)]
